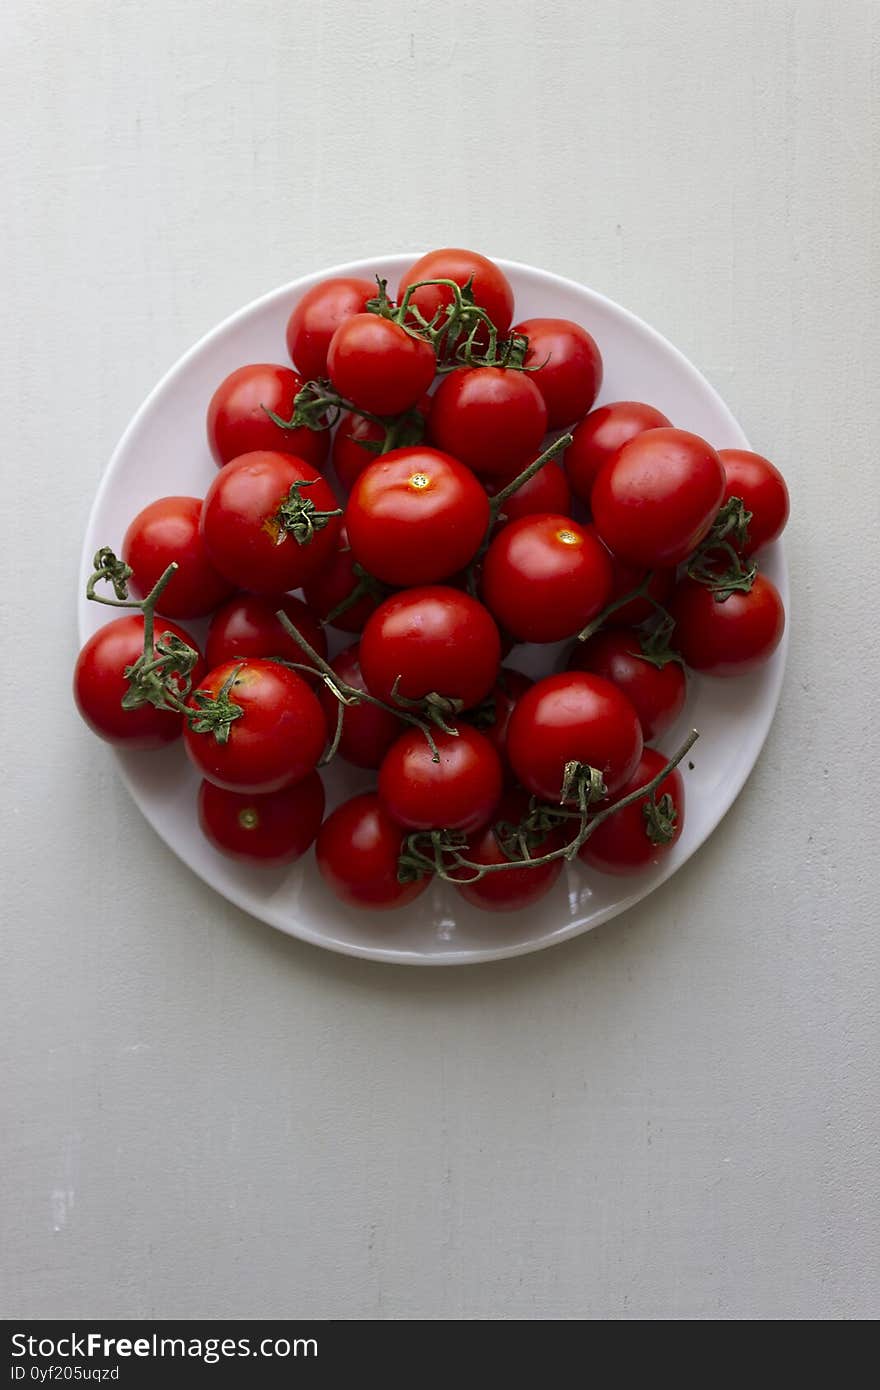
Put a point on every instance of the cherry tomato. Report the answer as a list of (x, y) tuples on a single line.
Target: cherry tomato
[(165, 531), (567, 367), (509, 889), (658, 693), (729, 638), (545, 577), (492, 717), (490, 288), (367, 731), (238, 423), (491, 418), (431, 640), (357, 853), (243, 522), (546, 491), (567, 717), (276, 740), (416, 516), (762, 488), (335, 583), (656, 499), (247, 627), (597, 438), (316, 317), (377, 365), (621, 844), (99, 684), (270, 829), (350, 454), (625, 578), (460, 792)]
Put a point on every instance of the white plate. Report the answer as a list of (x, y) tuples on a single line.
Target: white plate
[(164, 451)]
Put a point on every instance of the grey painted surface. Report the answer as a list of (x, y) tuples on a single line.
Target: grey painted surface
[(674, 1117)]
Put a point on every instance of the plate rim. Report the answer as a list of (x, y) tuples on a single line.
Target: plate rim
[(482, 955)]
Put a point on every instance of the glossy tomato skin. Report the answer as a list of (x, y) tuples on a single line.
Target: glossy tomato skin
[(729, 638), (620, 845), (625, 578), (240, 527), (99, 684), (168, 531), (433, 639), (656, 499), (490, 287), (546, 491), (317, 316), (658, 693), (545, 577), (762, 488), (599, 436), (357, 853), (350, 456), (378, 366), (247, 627), (510, 889), (491, 418), (566, 367), (334, 583), (416, 516), (275, 743), (238, 423), (460, 792), (494, 721), (271, 829), (573, 716), (367, 731)]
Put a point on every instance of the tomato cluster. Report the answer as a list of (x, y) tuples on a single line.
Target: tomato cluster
[(399, 477)]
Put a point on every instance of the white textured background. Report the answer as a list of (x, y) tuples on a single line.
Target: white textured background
[(674, 1117)]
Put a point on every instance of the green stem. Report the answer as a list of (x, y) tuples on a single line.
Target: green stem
[(497, 502)]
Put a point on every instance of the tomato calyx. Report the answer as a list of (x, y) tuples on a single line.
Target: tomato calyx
[(297, 516), (216, 714), (718, 563), (437, 709), (442, 852), (108, 569), (318, 406), (460, 332)]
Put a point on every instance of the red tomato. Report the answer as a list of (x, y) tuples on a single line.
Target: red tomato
[(625, 578), (656, 499), (762, 488), (350, 457), (573, 716), (335, 583), (238, 423), (317, 316), (377, 365), (99, 684), (243, 524), (492, 718), (621, 844), (357, 852), (165, 531), (247, 627), (460, 792), (491, 418), (509, 889), (269, 829), (568, 367), (546, 491), (658, 693), (431, 640), (597, 438), (490, 287), (367, 731), (416, 516), (729, 638), (545, 577), (275, 742)]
